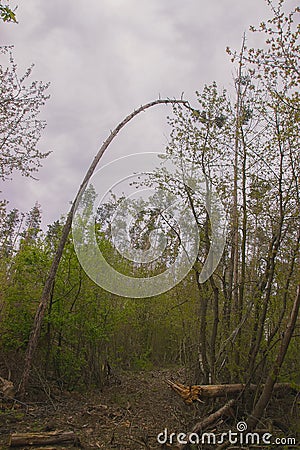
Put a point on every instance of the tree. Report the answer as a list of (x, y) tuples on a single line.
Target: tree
[(20, 126), (278, 70), (7, 14)]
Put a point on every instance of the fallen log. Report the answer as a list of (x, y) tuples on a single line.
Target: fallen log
[(52, 437), (191, 394), (199, 427), (212, 418)]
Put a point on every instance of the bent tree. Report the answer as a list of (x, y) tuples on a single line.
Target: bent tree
[(41, 310)]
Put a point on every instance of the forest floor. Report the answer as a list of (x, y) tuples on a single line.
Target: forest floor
[(127, 415)]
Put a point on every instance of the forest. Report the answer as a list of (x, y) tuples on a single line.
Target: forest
[(204, 355)]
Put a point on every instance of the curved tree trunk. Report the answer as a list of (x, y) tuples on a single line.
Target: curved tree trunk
[(41, 310)]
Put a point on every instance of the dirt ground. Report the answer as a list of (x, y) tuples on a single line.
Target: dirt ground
[(127, 415)]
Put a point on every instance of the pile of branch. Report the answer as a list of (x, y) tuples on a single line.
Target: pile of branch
[(195, 393)]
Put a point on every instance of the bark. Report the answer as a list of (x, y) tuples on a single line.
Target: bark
[(273, 375), (41, 310), (53, 437)]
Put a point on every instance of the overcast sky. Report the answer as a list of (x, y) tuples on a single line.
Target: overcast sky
[(105, 58)]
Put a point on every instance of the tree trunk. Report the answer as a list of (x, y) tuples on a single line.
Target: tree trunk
[(191, 394), (210, 420), (41, 310)]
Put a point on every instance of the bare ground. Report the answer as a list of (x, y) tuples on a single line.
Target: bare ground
[(127, 414)]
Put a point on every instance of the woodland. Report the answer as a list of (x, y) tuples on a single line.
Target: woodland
[(200, 356)]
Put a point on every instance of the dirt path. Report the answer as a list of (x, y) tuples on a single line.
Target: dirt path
[(128, 415)]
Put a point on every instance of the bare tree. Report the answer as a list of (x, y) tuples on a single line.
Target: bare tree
[(20, 125)]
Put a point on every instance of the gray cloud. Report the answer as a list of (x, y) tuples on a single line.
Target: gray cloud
[(105, 58)]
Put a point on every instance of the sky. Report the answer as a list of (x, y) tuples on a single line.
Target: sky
[(106, 58)]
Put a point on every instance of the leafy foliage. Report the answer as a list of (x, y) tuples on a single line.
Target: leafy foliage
[(20, 126)]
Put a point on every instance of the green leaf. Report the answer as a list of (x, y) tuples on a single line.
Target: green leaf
[(7, 15)]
